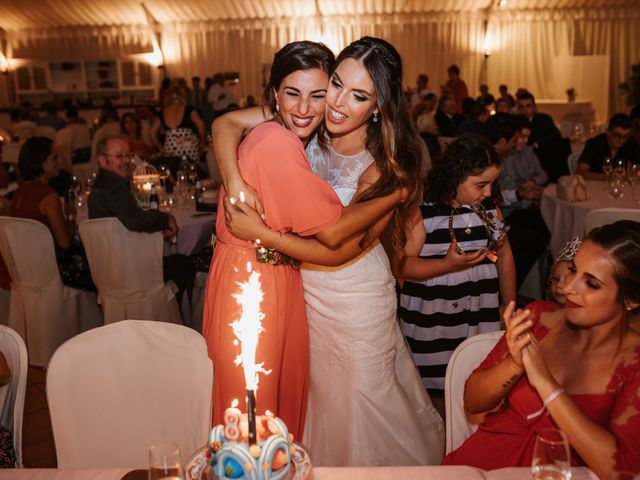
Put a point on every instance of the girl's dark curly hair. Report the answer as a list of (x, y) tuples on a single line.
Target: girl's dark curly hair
[(465, 156), (392, 141)]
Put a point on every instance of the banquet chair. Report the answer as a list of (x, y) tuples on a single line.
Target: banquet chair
[(463, 361), (45, 131), (118, 389), (5, 302), (12, 395), (42, 309), (126, 267), (603, 216)]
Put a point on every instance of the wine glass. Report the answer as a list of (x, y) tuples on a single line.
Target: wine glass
[(192, 172), (551, 459), (619, 167), (616, 187), (165, 462), (163, 173), (633, 173), (607, 165)]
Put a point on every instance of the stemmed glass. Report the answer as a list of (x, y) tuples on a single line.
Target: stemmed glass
[(607, 166), (633, 175), (165, 462), (551, 459), (192, 172), (163, 172)]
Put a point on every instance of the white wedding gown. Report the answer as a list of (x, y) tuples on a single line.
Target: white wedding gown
[(367, 405)]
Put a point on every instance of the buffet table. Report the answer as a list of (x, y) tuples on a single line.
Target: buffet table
[(374, 473), (566, 220)]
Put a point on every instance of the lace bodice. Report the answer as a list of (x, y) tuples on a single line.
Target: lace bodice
[(341, 172)]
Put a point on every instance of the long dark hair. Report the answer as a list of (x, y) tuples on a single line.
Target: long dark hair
[(467, 155), (294, 56), (392, 140), (33, 153)]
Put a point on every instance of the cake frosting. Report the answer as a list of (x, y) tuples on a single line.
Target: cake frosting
[(233, 458)]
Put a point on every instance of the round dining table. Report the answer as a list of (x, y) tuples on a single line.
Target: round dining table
[(565, 220), (326, 473)]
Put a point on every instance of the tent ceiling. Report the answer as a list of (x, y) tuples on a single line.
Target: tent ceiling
[(34, 14)]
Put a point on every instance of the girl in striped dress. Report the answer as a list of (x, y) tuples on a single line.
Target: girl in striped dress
[(457, 268)]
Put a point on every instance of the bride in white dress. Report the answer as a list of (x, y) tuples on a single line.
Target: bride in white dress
[(367, 405)]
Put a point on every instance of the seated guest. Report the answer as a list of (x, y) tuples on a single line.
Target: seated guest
[(131, 129), (523, 160), (528, 234), (485, 99), (111, 196), (474, 120), (616, 142), (51, 118), (446, 117), (504, 93), (36, 200), (575, 368), (542, 126), (503, 106)]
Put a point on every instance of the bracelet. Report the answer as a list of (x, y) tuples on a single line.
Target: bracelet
[(552, 396), (275, 247)]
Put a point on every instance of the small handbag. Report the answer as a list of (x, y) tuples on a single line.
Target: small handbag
[(571, 188)]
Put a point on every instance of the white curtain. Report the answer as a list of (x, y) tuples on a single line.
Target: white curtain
[(523, 43)]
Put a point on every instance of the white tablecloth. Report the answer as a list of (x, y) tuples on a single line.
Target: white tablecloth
[(195, 230), (10, 152), (377, 473), (566, 220)]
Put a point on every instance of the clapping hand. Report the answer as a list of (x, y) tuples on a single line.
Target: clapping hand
[(534, 364), (518, 335)]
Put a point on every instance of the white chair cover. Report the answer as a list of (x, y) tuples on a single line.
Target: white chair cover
[(45, 131), (463, 361), (70, 138), (116, 390), (126, 267), (604, 216), (43, 311), (12, 395)]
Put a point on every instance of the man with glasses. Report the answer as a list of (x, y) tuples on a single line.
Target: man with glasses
[(616, 143), (111, 196)]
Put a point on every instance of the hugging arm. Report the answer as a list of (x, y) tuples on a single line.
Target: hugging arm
[(226, 134)]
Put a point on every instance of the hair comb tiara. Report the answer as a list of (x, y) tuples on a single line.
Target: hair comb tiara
[(569, 250)]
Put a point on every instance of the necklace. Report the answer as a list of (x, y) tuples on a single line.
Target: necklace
[(467, 230)]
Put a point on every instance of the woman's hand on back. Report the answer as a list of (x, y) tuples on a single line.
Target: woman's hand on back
[(244, 222), (244, 192)]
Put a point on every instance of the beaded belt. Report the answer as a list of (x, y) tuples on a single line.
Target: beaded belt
[(263, 254)]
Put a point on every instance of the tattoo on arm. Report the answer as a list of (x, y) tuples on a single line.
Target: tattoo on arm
[(510, 381)]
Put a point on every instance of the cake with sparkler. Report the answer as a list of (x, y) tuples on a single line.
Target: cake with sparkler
[(235, 456)]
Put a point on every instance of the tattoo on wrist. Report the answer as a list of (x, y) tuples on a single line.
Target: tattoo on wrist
[(510, 381)]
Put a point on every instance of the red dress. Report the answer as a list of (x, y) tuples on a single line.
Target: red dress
[(25, 203), (506, 437), (272, 160)]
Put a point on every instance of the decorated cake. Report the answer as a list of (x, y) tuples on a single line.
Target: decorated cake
[(232, 457)]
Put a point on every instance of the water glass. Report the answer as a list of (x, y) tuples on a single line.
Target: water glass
[(551, 458), (616, 187), (165, 462)]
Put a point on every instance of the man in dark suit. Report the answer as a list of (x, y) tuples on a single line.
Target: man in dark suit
[(111, 196)]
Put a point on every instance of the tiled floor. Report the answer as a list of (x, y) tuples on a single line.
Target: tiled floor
[(38, 450)]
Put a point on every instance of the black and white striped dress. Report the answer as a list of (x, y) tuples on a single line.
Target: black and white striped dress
[(439, 313)]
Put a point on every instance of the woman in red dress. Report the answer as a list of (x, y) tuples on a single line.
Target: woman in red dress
[(582, 362)]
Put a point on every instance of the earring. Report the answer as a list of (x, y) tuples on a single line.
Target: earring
[(277, 107), (375, 117)]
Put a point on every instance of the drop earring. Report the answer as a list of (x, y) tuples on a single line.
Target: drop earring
[(375, 117), (277, 107)]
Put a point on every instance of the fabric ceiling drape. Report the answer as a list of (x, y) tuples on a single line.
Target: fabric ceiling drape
[(524, 44)]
